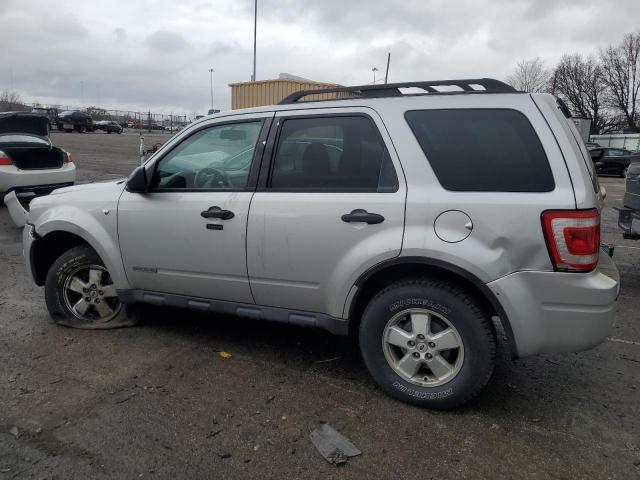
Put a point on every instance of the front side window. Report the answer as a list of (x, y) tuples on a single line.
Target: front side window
[(342, 153), (482, 150), (215, 158)]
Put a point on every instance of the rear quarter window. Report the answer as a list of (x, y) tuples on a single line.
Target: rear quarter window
[(483, 150)]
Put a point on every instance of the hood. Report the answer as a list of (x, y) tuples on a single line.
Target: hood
[(24, 122), (95, 187)]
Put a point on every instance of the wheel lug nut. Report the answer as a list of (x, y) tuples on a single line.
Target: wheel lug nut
[(432, 345), (416, 355), (100, 292), (421, 337), (97, 300), (88, 299), (411, 343), (428, 355)]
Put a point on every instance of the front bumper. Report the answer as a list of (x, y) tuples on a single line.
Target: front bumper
[(29, 239), (555, 312)]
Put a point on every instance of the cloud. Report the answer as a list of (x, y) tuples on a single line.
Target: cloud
[(155, 54)]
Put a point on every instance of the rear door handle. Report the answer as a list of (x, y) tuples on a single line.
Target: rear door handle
[(217, 212), (360, 215)]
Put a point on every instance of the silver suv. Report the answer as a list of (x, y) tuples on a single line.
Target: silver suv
[(420, 218)]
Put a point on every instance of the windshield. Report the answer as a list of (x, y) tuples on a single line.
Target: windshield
[(22, 139)]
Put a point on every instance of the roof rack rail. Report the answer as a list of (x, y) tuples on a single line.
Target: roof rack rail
[(488, 85)]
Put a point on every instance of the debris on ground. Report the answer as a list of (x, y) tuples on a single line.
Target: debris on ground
[(332, 445), (333, 359), (224, 355), (14, 431), (124, 398)]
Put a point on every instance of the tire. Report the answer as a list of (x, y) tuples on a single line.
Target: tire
[(452, 313), (109, 131), (74, 269)]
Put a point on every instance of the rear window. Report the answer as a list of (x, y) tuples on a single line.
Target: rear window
[(482, 150)]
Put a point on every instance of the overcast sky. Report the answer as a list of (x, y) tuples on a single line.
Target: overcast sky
[(155, 54)]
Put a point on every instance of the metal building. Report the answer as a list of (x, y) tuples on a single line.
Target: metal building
[(270, 92)]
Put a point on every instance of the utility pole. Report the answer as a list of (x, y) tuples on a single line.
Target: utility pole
[(211, 70), (255, 30), (386, 73), (374, 70)]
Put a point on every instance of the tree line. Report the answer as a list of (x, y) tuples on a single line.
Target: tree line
[(604, 86)]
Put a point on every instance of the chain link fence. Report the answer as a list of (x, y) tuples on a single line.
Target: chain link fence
[(126, 118)]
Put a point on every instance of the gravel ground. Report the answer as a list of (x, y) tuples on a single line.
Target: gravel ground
[(158, 401)]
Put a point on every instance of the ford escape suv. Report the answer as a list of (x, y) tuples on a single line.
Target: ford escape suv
[(421, 218)]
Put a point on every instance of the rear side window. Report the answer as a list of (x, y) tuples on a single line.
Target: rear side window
[(482, 150), (340, 154)]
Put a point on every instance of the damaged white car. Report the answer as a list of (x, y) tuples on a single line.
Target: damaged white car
[(29, 164)]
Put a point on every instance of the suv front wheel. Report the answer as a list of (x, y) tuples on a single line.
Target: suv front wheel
[(80, 293), (428, 342)]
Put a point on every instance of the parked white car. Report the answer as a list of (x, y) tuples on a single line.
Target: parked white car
[(29, 164)]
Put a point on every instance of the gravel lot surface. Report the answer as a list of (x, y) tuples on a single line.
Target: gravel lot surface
[(158, 401)]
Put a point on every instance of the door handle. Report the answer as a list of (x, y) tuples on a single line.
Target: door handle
[(360, 215), (217, 212)]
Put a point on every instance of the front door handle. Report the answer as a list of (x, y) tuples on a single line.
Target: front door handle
[(217, 212), (360, 215)]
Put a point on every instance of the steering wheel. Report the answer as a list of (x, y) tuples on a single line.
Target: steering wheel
[(209, 177)]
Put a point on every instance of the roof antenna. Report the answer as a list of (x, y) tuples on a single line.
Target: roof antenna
[(386, 74)]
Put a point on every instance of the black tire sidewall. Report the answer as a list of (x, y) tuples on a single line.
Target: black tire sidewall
[(471, 323), (56, 277)]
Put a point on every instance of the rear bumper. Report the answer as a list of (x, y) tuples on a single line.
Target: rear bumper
[(554, 312), (12, 178)]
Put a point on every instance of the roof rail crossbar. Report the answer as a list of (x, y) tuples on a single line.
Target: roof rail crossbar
[(489, 85)]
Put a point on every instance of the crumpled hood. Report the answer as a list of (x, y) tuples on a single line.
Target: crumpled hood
[(24, 122)]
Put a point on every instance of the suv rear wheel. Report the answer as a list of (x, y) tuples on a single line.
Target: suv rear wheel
[(428, 343), (80, 293)]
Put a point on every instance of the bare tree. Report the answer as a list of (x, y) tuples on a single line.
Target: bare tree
[(10, 101), (580, 81), (530, 76), (621, 67)]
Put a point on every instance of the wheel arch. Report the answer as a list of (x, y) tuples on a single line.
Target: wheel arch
[(56, 236), (48, 248), (382, 274)]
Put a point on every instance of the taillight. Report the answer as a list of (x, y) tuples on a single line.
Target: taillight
[(4, 159), (69, 158), (573, 239)]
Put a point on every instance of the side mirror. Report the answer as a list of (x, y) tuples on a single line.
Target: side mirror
[(137, 182)]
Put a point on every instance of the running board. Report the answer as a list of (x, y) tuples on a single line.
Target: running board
[(16, 211), (337, 326)]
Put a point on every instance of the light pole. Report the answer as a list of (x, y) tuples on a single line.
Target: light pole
[(374, 70), (255, 29), (211, 70)]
